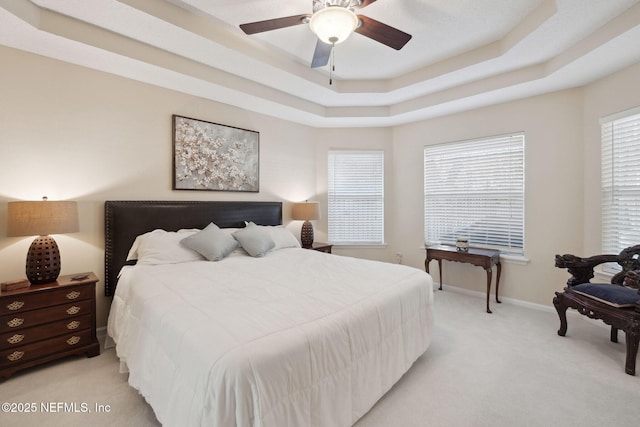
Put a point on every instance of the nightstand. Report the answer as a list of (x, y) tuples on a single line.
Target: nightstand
[(48, 321), (320, 247)]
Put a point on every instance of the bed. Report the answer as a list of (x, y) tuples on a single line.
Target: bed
[(282, 337)]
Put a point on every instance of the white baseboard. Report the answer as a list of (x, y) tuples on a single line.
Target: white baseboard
[(512, 301), (571, 314)]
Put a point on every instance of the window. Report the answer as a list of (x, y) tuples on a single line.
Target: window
[(620, 180), (475, 189), (356, 197)]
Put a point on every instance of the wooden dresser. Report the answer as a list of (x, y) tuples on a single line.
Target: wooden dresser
[(46, 322)]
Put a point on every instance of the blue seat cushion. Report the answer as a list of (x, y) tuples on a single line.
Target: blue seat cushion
[(613, 295)]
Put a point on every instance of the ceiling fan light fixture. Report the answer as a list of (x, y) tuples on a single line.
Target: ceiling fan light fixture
[(333, 24)]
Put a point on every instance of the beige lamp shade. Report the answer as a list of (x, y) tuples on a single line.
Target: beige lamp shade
[(306, 211), (41, 218)]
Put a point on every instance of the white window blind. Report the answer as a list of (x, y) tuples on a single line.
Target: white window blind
[(356, 197), (620, 181), (475, 189)]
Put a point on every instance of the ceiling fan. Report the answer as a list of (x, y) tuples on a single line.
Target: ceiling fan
[(333, 21)]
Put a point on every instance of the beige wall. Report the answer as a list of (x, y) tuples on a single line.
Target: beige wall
[(553, 188), (562, 180), (73, 133)]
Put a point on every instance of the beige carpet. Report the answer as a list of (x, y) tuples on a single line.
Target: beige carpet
[(509, 368)]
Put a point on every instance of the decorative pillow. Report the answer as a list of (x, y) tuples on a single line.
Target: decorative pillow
[(238, 250), (282, 236), (163, 247), (613, 295), (212, 243), (255, 240)]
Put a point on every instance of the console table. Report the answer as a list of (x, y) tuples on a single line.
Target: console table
[(484, 258)]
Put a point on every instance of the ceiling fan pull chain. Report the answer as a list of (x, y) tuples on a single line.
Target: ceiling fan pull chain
[(331, 69), (332, 65)]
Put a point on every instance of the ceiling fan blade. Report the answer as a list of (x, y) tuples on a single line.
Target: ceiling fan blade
[(321, 54), (273, 24), (365, 3), (382, 33)]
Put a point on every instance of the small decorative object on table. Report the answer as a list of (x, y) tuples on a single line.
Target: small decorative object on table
[(462, 244), (12, 285)]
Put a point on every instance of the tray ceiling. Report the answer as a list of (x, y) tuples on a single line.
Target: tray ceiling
[(464, 54)]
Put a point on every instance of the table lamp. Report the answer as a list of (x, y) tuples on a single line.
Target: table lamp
[(306, 212), (42, 218)]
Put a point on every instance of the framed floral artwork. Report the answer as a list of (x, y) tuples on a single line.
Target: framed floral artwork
[(213, 157)]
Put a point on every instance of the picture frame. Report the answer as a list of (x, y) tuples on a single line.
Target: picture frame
[(209, 156)]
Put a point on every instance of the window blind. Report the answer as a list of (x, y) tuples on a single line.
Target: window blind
[(620, 158), (475, 189), (356, 197)]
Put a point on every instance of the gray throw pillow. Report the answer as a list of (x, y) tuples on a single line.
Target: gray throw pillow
[(212, 243), (256, 241)]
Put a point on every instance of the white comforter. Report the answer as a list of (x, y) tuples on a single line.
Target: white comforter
[(295, 338)]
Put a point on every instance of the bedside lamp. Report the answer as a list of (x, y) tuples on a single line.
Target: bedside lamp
[(306, 212), (42, 218)]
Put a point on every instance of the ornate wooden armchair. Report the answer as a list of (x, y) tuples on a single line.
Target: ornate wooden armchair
[(617, 304)]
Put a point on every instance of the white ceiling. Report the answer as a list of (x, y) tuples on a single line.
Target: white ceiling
[(464, 53)]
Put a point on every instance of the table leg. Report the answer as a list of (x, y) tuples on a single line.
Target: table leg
[(488, 270), (426, 268), (499, 268)]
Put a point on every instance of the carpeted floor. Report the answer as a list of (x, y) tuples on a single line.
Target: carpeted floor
[(509, 368)]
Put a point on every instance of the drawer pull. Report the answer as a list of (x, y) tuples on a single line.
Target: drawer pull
[(73, 325), (73, 295), (73, 310), (16, 355), (16, 305), (15, 339), (73, 340), (14, 323)]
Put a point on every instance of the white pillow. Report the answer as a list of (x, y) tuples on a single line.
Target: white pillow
[(163, 247), (133, 251), (212, 243), (282, 236)]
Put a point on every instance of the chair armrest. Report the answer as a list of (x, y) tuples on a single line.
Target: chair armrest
[(632, 279), (581, 269)]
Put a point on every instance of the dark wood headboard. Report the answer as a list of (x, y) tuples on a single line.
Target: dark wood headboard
[(125, 220)]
